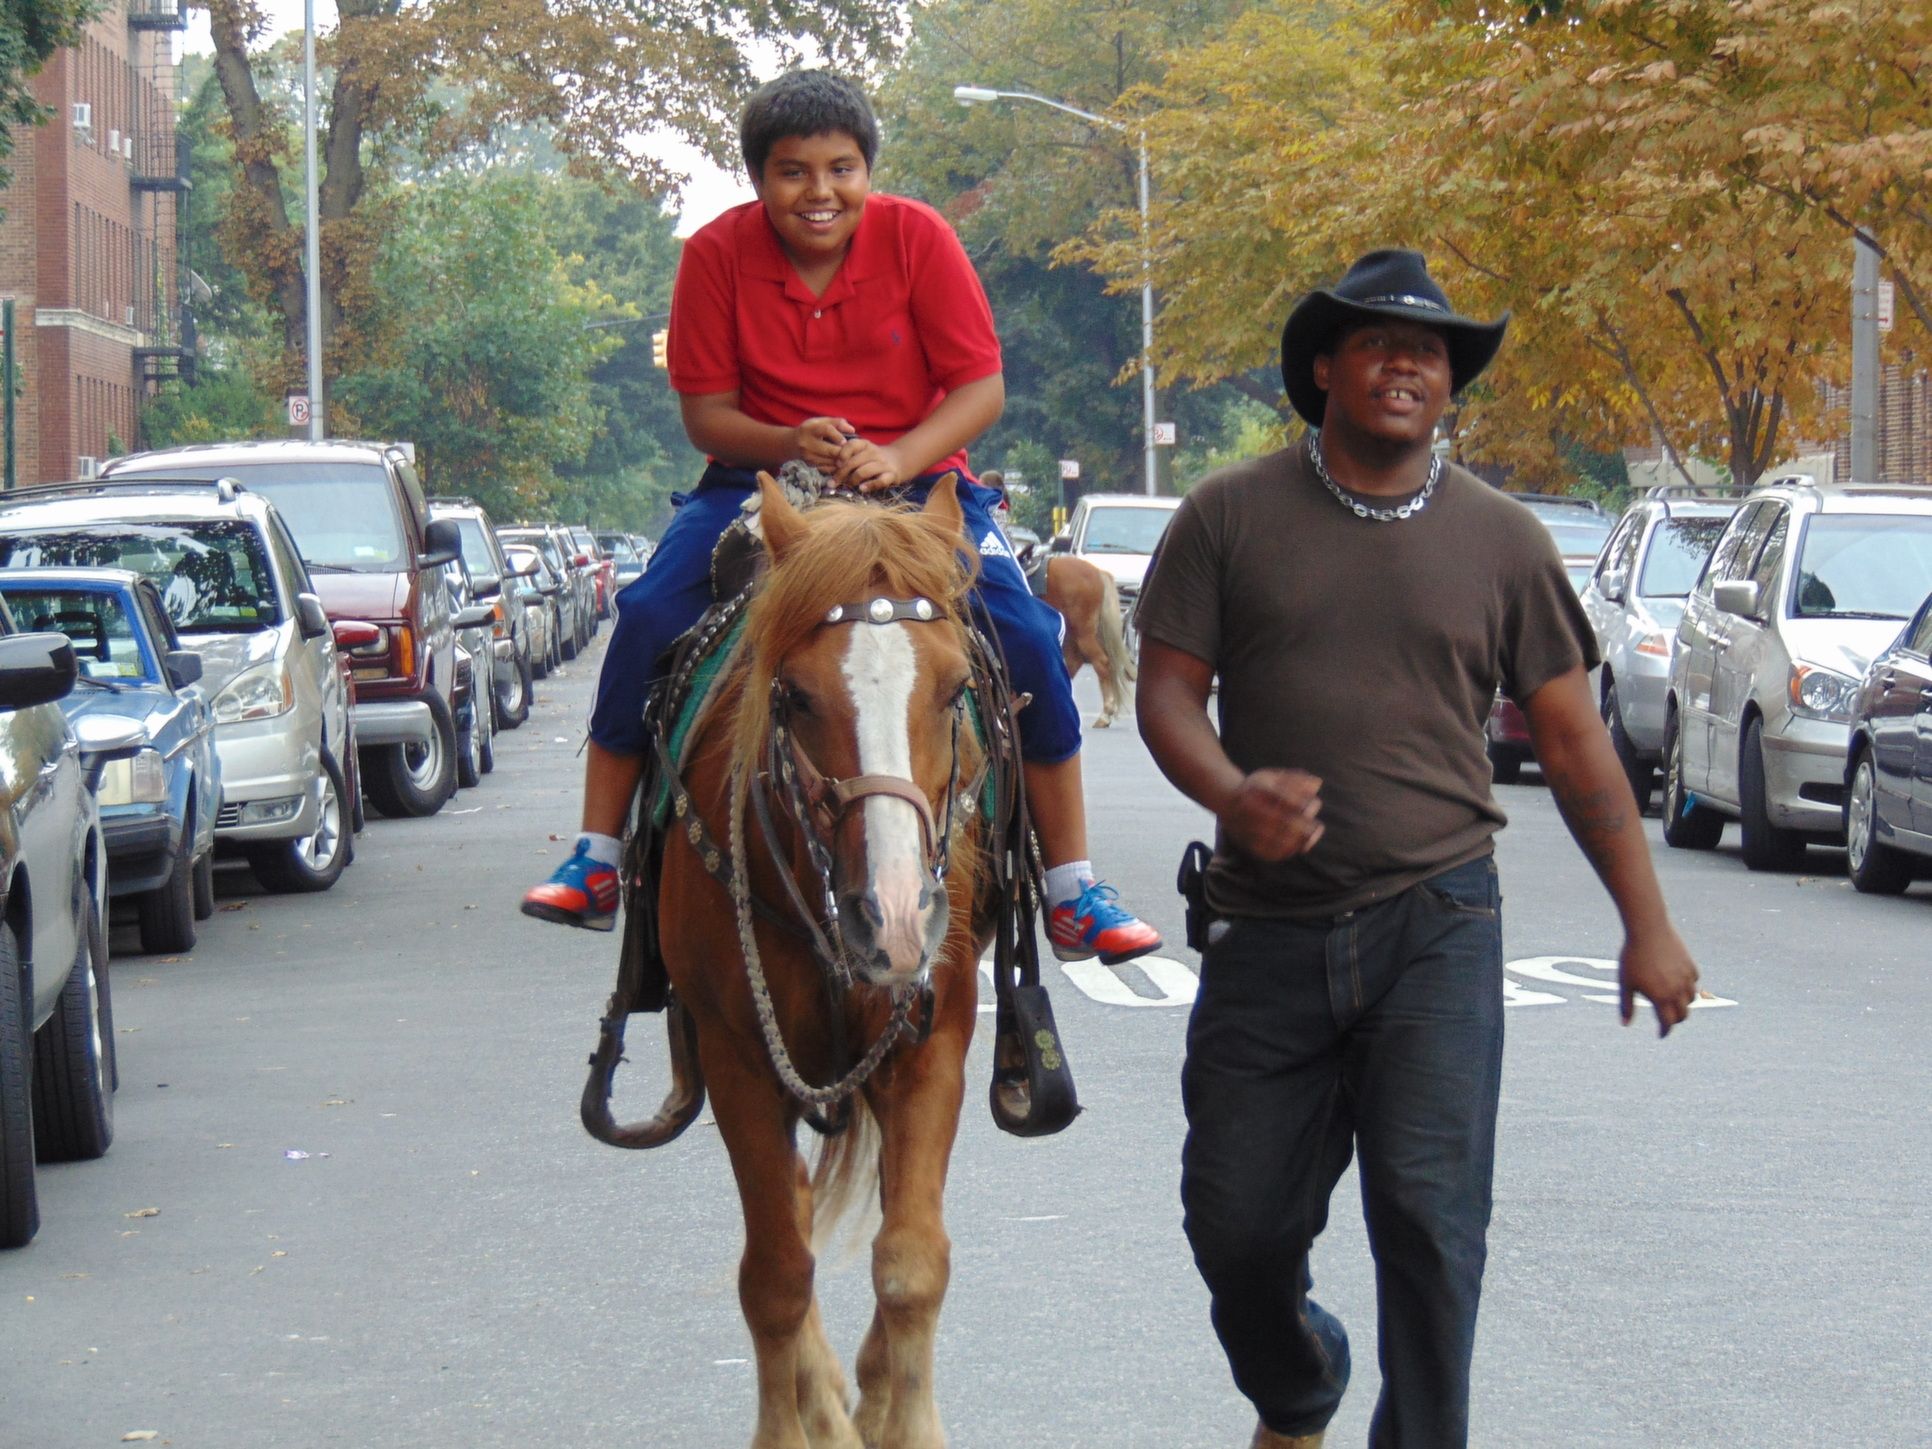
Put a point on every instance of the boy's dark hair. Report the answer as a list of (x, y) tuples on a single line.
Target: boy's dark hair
[(804, 103)]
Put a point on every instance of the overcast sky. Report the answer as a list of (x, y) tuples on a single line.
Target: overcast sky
[(708, 192)]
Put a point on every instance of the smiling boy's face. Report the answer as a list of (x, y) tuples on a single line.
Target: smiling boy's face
[(814, 190)]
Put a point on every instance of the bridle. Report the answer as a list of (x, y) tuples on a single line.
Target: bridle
[(817, 805)]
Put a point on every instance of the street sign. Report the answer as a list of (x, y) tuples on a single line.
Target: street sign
[(1164, 436), (298, 410), (1885, 306), (1069, 469)]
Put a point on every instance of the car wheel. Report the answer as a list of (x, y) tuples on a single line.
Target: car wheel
[(567, 643), (19, 1206), (469, 747), (74, 1056), (1505, 763), (205, 884), (1876, 868), (513, 698), (1687, 825), (315, 861), (1765, 846), (409, 781), (1638, 771), (167, 913)]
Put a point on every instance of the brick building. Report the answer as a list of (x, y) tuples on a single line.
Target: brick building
[(87, 242)]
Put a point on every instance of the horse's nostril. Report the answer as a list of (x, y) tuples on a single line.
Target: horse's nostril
[(869, 908)]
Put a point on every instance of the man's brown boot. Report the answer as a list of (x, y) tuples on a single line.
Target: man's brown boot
[(1266, 1438)]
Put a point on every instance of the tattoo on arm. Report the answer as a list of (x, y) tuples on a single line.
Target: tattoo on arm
[(1596, 818)]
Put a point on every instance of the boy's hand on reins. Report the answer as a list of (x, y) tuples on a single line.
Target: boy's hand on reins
[(867, 466), (819, 440)]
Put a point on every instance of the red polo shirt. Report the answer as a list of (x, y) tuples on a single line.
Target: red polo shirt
[(904, 322)]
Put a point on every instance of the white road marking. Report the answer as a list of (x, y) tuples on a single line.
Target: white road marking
[(1552, 969)]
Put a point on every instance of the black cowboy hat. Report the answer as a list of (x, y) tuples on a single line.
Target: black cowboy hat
[(1387, 283)]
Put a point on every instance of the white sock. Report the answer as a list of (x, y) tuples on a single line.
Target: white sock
[(1065, 882), (604, 849)]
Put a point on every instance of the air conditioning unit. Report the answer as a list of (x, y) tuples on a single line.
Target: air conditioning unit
[(83, 116), (127, 146), (88, 466), (130, 316), (114, 143)]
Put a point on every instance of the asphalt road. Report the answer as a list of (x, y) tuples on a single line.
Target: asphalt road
[(1718, 1240)]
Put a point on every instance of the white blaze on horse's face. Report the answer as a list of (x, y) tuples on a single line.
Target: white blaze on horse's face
[(901, 905)]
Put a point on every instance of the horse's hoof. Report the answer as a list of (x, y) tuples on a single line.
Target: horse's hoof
[(1103, 722)]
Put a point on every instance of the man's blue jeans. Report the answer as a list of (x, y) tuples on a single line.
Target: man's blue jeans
[(1380, 1029)]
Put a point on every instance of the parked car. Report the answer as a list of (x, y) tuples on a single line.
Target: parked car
[(1506, 734), (358, 515), (539, 593), (1805, 587), (1888, 764), (236, 590), (1635, 598), (475, 698), (158, 807), (1119, 532), (57, 1043), (645, 548), (1579, 526), (626, 562), (597, 568), (486, 571), (574, 602)]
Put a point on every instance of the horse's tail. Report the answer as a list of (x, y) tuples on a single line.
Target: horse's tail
[(846, 1176), (1113, 636)]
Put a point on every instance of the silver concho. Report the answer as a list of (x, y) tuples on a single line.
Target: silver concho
[(922, 609), (880, 610), (837, 613)]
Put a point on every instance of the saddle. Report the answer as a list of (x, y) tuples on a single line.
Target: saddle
[(1032, 1091)]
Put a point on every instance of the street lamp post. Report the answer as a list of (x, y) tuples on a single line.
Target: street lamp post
[(313, 249), (981, 95)]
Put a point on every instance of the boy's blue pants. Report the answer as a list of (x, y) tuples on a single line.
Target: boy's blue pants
[(675, 590)]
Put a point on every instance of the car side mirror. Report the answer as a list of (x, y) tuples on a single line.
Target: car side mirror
[(528, 571), (103, 738), (1610, 583), (1737, 596), (485, 586), (36, 669), (355, 634), (477, 616), (442, 543), (182, 667), (310, 617), (1062, 543)]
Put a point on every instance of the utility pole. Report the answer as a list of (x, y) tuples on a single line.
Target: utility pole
[(1864, 389), (316, 430)]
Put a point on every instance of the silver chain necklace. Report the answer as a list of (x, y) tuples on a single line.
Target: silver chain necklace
[(1355, 505)]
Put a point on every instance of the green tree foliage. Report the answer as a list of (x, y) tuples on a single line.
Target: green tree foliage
[(226, 405), (30, 31), (486, 352)]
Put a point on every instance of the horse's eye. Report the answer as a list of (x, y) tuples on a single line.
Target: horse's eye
[(957, 697), (797, 700)]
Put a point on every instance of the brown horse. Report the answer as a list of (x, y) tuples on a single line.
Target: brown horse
[(1087, 599), (828, 773)]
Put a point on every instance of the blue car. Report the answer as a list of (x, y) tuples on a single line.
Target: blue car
[(158, 808)]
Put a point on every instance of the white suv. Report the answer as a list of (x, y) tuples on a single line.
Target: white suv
[(1803, 588), (1119, 533)]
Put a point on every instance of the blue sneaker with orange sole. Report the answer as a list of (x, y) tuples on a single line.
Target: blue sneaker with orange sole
[(581, 892), (1095, 924)]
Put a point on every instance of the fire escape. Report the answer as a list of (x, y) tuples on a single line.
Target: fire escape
[(158, 173)]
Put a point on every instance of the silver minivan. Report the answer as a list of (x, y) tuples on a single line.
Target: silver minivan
[(1634, 597), (1804, 587)]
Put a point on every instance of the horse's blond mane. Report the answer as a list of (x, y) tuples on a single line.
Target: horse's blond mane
[(846, 553)]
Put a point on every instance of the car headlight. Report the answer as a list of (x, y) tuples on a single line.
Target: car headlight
[(136, 781), (1823, 694), (259, 693)]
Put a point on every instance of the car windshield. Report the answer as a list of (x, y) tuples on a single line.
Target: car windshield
[(1864, 566), (476, 548), (1127, 529), (213, 573), (342, 514), (618, 548), (96, 622), (1678, 549), (1576, 537)]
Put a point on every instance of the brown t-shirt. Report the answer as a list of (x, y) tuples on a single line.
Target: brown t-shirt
[(1367, 654)]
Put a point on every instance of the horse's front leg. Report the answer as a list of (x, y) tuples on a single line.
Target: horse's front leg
[(918, 1113), (775, 1274)]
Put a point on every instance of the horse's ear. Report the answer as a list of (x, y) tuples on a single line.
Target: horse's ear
[(781, 524), (942, 504)]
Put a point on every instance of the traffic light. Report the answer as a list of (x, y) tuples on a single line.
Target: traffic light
[(661, 348)]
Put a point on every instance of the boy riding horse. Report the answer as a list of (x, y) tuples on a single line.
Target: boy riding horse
[(824, 323)]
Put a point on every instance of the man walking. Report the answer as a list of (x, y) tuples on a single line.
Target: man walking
[(1360, 600)]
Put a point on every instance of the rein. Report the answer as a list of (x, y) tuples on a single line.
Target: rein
[(817, 805)]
